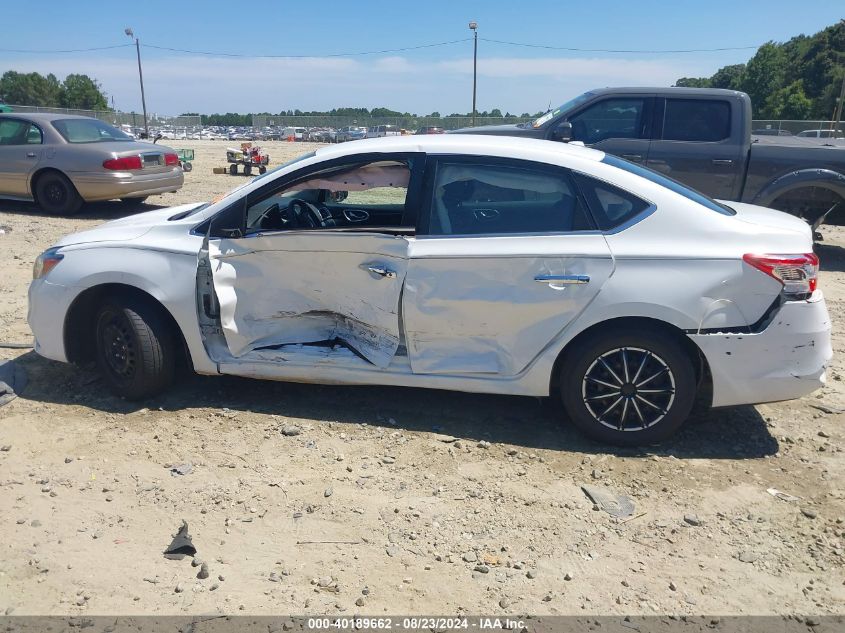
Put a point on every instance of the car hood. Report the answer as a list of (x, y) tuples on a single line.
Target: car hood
[(767, 218), (128, 228)]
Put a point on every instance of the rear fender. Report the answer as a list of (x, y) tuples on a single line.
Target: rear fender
[(823, 178)]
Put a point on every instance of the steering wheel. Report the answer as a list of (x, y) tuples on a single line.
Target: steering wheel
[(306, 214)]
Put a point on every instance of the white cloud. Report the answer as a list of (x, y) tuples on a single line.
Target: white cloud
[(209, 84)]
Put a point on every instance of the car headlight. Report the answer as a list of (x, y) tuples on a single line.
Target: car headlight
[(46, 262)]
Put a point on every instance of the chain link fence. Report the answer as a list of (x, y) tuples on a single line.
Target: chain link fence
[(186, 125), (805, 128), (263, 122)]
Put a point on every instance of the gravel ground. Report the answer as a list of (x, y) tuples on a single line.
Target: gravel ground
[(316, 499)]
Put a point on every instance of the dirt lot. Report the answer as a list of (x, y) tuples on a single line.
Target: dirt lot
[(374, 507)]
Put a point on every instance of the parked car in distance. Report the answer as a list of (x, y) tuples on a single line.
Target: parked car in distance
[(768, 131), (380, 131), (295, 133), (430, 129), (62, 161), (822, 134), (351, 133), (4, 107), (701, 137), (518, 266)]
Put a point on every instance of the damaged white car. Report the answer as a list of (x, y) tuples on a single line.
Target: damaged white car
[(472, 263)]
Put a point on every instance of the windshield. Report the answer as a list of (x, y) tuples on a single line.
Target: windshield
[(88, 131), (667, 182), (566, 107)]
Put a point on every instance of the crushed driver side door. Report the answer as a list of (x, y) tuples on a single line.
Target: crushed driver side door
[(300, 287)]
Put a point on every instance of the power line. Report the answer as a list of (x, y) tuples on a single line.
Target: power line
[(72, 50), (354, 54), (611, 50)]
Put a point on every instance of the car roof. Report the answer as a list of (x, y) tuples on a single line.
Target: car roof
[(663, 91), (43, 116), (459, 144)]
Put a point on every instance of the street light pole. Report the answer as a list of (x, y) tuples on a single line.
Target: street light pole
[(474, 27), (141, 77)]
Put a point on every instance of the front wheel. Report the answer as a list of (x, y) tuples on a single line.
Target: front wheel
[(628, 387), (135, 348)]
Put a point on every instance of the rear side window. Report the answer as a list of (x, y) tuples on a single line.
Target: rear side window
[(15, 132), (497, 199), (696, 120), (611, 206), (672, 185), (88, 131)]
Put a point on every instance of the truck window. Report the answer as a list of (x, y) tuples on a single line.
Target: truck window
[(696, 120), (669, 183), (611, 118)]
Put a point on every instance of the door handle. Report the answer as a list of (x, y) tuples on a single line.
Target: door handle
[(636, 158), (378, 269), (30, 154), (722, 161), (554, 280)]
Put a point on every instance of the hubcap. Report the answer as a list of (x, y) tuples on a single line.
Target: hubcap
[(55, 193), (118, 347), (628, 389)]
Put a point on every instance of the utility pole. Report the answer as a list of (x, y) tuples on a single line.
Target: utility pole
[(130, 34), (474, 27), (840, 105)]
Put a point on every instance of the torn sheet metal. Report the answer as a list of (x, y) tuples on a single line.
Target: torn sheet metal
[(290, 288), (12, 381)]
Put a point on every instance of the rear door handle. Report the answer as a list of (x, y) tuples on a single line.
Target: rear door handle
[(635, 158), (554, 280), (30, 154), (378, 269), (722, 161)]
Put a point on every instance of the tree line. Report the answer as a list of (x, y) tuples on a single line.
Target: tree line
[(78, 92), (798, 79)]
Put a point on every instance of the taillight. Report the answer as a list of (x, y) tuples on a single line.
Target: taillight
[(797, 273), (126, 163), (171, 159)]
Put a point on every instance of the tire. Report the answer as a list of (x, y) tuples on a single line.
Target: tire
[(593, 373), (135, 348), (131, 201), (233, 169), (247, 169), (262, 169), (186, 167), (55, 194)]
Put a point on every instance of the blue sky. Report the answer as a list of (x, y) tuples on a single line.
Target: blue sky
[(512, 78)]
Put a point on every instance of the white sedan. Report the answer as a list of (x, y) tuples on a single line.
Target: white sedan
[(472, 263)]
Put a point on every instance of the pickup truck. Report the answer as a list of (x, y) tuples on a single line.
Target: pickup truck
[(701, 137)]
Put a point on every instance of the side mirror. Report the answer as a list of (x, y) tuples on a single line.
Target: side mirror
[(563, 132)]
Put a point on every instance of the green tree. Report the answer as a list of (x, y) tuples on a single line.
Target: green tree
[(30, 89), (495, 112), (789, 103), (729, 77), (82, 92), (693, 82), (764, 75), (435, 114)]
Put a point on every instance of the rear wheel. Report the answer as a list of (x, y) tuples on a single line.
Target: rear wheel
[(628, 387), (135, 348), (55, 193)]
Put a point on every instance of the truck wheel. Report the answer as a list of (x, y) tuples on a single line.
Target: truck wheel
[(55, 193), (247, 169), (233, 169), (628, 387), (262, 169), (135, 347)]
